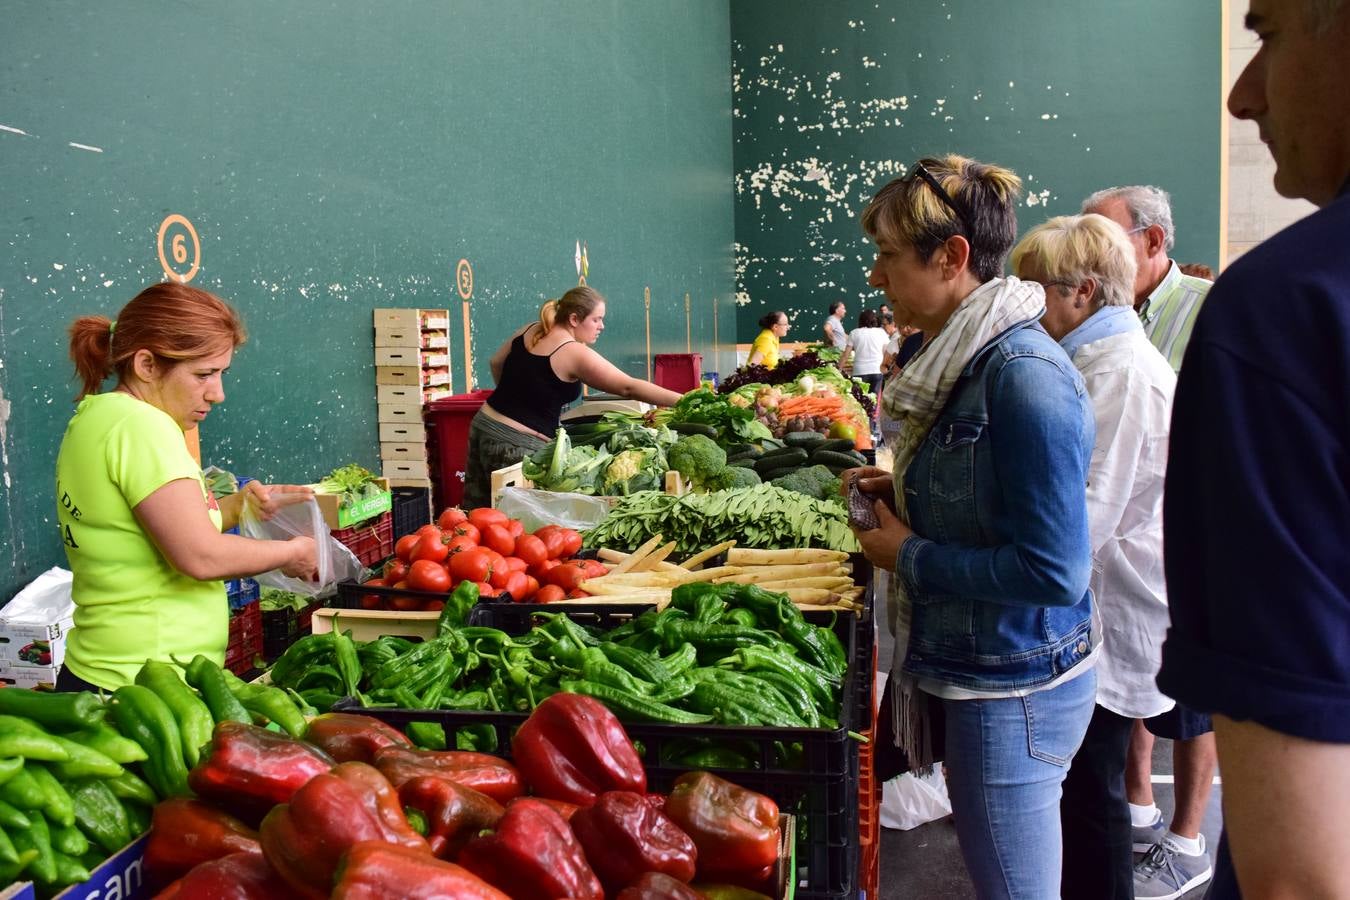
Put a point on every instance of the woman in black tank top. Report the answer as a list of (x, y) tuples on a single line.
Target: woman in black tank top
[(538, 371)]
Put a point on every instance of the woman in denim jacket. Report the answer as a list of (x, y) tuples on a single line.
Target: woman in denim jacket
[(985, 521)]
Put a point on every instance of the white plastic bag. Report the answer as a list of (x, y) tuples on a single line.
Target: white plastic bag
[(535, 509), (909, 801), (335, 562), (44, 601)]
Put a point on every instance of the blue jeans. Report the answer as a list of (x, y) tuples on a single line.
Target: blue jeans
[(1006, 761)]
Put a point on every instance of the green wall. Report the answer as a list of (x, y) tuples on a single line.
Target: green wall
[(833, 100), (337, 157)]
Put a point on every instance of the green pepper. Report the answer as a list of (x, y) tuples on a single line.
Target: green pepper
[(348, 663), (59, 807), (404, 667), (682, 660), (634, 706), (129, 787), (111, 744), (11, 871), (596, 668), (675, 689), (192, 716), (646, 666), (142, 716), (321, 701), (798, 698), (741, 616), (24, 792), (9, 767), (138, 818), (69, 840), (712, 637), (321, 676), (457, 607), (427, 735), (101, 816), (478, 738), (821, 686), (62, 712), (11, 817), (300, 656), (37, 837), (8, 853), (268, 701), (69, 870), (763, 697), (209, 679), (21, 737), (80, 760)]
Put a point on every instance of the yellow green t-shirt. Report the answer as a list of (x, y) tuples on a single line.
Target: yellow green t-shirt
[(766, 344), (130, 603)]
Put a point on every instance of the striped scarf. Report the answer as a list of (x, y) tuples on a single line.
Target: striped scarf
[(915, 399)]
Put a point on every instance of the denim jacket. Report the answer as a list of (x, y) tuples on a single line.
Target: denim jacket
[(998, 570)]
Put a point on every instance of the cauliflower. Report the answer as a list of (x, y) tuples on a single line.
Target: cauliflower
[(631, 471)]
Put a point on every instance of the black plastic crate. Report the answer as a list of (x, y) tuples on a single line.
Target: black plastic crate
[(283, 627), (819, 785), (411, 510)]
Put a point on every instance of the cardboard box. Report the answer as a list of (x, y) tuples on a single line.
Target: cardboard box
[(405, 434), (119, 877), (405, 470), (398, 393), (410, 318), (399, 412), (344, 516), (405, 375), (33, 626), (42, 678), (398, 356), (393, 451)]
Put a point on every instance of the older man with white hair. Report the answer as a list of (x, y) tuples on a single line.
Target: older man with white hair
[(1258, 487)]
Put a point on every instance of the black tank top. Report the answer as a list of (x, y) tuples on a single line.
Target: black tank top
[(529, 391)]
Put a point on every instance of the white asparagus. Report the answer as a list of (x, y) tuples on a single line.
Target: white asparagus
[(638, 555), (655, 558), (713, 574), (703, 556), (750, 557), (839, 583), (758, 574), (811, 596), (617, 556), (613, 590)]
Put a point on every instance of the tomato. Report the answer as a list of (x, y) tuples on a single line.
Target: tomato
[(550, 593), (499, 539), (471, 565), (515, 564), (517, 585), (571, 542), (425, 575), (373, 601), (430, 546), (406, 603), (516, 527), (578, 594), (554, 542), (531, 549), (484, 516), (594, 568), (541, 570), (433, 606), (465, 529), (531, 586), (567, 576), (499, 576), (395, 570), (486, 590), (450, 517), (403, 549), (460, 542)]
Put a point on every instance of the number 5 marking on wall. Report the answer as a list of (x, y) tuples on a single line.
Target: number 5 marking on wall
[(176, 248)]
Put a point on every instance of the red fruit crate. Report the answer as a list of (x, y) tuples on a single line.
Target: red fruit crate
[(869, 809), (371, 540), (246, 638)]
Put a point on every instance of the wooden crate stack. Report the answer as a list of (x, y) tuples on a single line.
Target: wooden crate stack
[(412, 368)]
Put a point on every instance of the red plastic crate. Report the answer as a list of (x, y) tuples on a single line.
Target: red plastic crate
[(448, 440), (371, 540), (678, 372), (246, 638), (869, 808)]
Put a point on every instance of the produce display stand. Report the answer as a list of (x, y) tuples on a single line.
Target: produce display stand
[(119, 876), (820, 786)]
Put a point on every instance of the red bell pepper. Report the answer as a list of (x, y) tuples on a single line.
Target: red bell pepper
[(352, 738), (304, 840), (561, 807), (533, 855), (185, 833), (454, 813), (624, 836), (735, 830), (250, 769), (374, 870), (659, 886), (483, 772), (239, 876), (573, 748)]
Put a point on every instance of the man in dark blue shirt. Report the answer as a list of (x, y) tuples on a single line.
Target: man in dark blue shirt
[(1257, 511)]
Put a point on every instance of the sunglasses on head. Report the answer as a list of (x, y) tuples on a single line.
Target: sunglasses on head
[(918, 171)]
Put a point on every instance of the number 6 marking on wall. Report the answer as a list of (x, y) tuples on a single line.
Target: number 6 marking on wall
[(177, 249)]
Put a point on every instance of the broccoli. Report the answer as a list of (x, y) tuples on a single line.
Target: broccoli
[(815, 481), (699, 460), (735, 477)]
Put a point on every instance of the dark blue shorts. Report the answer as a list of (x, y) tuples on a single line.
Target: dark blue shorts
[(1180, 723)]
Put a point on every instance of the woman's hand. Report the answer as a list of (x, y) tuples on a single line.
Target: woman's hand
[(304, 561), (876, 483), (267, 499), (881, 545)]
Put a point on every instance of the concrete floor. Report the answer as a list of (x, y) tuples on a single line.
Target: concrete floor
[(925, 863)]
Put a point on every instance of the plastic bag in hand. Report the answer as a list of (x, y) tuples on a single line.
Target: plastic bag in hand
[(335, 562)]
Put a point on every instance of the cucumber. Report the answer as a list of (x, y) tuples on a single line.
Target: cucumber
[(791, 457), (807, 439), (833, 458), (694, 428), (744, 451), (771, 474), (744, 462), (840, 444), (770, 444)]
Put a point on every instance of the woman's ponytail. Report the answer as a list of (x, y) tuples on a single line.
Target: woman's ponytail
[(548, 314), (91, 351)]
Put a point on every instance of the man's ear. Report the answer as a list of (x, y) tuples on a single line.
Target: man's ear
[(1155, 240)]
